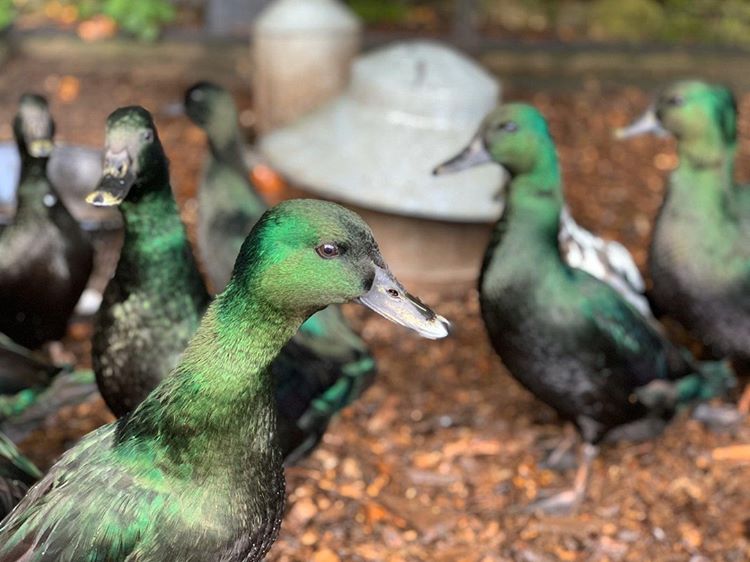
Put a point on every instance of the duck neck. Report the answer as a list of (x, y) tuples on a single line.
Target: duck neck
[(219, 401), (156, 249), (33, 185), (534, 204), (703, 178), (226, 146)]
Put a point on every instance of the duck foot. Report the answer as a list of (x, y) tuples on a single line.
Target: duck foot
[(568, 501)]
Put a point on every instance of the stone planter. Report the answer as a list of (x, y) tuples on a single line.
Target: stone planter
[(302, 54)]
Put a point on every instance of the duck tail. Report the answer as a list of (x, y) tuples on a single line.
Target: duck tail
[(29, 410), (712, 379), (703, 380)]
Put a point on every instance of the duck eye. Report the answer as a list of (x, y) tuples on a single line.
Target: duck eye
[(675, 100), (508, 126), (147, 135), (328, 250)]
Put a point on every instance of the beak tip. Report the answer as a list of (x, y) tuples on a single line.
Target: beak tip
[(446, 325), (441, 328), (437, 170), (96, 199)]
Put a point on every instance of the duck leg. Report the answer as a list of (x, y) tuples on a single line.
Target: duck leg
[(569, 500), (562, 456)]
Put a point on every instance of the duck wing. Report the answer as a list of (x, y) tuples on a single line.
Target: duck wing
[(17, 475), (661, 374), (59, 518), (607, 260)]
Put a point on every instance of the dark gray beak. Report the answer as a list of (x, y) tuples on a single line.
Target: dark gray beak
[(40, 148), (117, 178), (648, 123), (473, 155), (389, 299)]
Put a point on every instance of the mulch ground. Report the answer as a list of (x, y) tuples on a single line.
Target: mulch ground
[(434, 462)]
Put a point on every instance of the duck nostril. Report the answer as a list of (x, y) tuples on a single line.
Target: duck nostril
[(393, 293)]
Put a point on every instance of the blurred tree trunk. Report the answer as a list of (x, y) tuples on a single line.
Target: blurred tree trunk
[(232, 17)]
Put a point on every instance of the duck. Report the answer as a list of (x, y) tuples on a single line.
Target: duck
[(155, 300), (17, 475), (570, 338), (195, 472), (327, 354), (153, 303), (699, 257), (228, 204), (45, 257)]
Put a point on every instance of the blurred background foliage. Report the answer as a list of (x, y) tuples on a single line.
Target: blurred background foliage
[(143, 19), (672, 21), (7, 13), (723, 22), (680, 21)]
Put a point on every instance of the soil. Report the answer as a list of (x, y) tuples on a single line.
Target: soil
[(438, 459)]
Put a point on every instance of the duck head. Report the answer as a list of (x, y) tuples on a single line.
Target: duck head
[(516, 137), (212, 108), (33, 127), (304, 255), (691, 111), (134, 161)]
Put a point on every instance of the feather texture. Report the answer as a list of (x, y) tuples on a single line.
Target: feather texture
[(607, 260)]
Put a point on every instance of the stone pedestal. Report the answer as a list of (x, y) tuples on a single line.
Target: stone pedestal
[(302, 54)]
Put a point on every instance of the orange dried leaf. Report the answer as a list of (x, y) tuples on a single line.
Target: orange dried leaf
[(68, 89), (97, 28), (732, 453)]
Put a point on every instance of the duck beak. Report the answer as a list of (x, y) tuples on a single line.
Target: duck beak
[(40, 148), (389, 299), (117, 178), (648, 123), (473, 155)]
